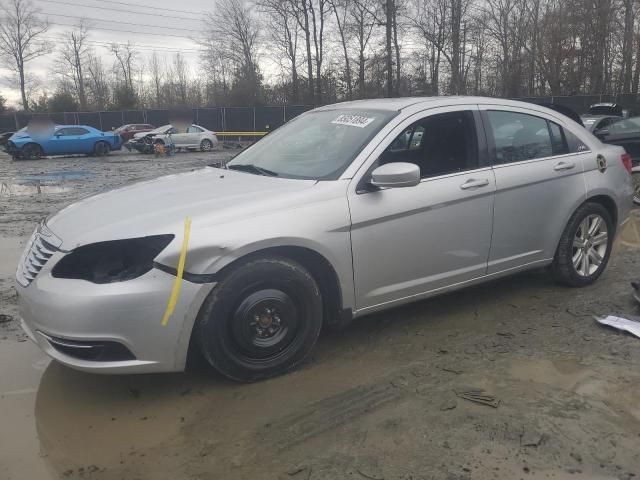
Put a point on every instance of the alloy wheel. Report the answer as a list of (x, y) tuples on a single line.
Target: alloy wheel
[(590, 245), (636, 188), (206, 145)]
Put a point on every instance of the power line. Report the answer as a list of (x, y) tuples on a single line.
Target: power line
[(131, 4), (135, 24), (119, 10), (127, 31), (151, 48)]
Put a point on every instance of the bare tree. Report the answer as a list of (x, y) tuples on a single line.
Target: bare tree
[(363, 20), (341, 9), (21, 40), (125, 55), (74, 53), (233, 35), (97, 85), (181, 78), (284, 30), (156, 73)]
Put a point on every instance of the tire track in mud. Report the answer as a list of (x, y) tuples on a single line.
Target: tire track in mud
[(329, 413)]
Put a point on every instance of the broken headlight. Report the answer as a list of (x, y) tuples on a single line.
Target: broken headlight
[(113, 261)]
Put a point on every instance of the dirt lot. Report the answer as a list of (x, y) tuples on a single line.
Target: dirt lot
[(377, 401)]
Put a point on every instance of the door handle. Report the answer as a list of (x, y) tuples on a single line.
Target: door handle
[(473, 183), (564, 166)]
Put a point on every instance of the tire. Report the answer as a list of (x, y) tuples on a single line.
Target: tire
[(261, 320), (206, 145), (589, 230), (31, 151), (101, 149), (636, 188)]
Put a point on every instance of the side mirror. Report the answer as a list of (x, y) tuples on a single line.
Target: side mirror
[(601, 132), (396, 175)]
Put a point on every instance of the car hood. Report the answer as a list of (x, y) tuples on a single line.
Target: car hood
[(207, 196)]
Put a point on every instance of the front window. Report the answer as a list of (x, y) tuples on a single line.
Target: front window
[(319, 145)]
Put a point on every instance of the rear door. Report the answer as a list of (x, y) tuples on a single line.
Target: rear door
[(194, 135), (539, 182)]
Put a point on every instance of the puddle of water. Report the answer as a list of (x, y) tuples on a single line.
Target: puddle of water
[(55, 176), (630, 233), (20, 455), (562, 373), (10, 250), (18, 190)]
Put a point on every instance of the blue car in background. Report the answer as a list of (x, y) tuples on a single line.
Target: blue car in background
[(65, 140)]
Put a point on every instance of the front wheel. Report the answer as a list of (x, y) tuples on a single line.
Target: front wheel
[(261, 320), (636, 188), (32, 151), (585, 246)]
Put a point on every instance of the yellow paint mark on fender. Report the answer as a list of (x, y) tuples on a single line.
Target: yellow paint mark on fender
[(177, 284)]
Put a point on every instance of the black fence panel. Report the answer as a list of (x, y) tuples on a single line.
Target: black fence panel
[(268, 118), (111, 120), (238, 119), (89, 118), (295, 110), (210, 118), (218, 119), (59, 118), (157, 118), (7, 123), (133, 116)]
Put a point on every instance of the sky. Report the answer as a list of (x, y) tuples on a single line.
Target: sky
[(164, 26)]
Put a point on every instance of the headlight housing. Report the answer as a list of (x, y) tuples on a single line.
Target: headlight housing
[(113, 261)]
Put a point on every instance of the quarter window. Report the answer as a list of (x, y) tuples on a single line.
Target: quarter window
[(438, 144), (558, 141), (194, 129)]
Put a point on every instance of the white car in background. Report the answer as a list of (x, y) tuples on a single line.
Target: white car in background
[(195, 137)]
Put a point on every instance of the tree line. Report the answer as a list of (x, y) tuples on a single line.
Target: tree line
[(323, 51)]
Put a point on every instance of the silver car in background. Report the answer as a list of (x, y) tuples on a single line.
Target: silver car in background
[(346, 210), (195, 137)]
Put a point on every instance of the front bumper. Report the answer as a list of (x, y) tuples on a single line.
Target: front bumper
[(59, 314)]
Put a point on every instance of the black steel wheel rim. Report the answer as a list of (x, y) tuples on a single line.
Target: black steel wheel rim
[(264, 324)]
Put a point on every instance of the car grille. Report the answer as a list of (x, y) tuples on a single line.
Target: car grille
[(34, 258)]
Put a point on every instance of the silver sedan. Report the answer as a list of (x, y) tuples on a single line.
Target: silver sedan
[(346, 210)]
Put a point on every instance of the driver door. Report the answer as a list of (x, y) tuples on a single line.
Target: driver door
[(410, 241)]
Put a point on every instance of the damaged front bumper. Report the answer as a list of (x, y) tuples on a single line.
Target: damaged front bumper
[(111, 328)]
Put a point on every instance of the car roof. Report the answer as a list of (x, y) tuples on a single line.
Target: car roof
[(397, 104), (596, 117), (72, 126)]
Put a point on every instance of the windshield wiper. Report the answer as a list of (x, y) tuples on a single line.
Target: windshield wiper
[(246, 167)]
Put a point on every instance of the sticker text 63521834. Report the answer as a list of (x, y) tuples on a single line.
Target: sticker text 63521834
[(353, 120)]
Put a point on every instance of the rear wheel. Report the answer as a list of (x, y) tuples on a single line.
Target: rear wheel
[(636, 187), (585, 246), (261, 320), (206, 145), (101, 149), (32, 151)]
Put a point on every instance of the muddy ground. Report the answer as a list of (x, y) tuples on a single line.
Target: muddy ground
[(377, 401)]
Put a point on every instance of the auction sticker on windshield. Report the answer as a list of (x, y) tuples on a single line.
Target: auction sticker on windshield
[(353, 120)]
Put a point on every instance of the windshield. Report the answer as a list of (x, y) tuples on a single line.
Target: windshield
[(318, 145)]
